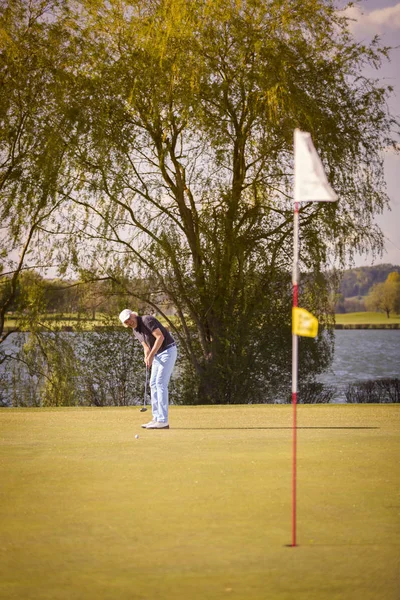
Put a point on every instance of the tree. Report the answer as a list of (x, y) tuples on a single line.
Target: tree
[(359, 281), (385, 296), (185, 114), (32, 141), (167, 130)]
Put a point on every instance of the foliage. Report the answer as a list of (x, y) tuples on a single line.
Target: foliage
[(385, 296), (111, 368), (358, 281), (316, 393), (354, 305), (50, 359), (96, 368), (32, 143), (384, 390)]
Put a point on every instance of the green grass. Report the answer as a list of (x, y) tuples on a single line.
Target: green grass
[(367, 318), (202, 511)]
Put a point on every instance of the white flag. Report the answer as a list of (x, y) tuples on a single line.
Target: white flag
[(310, 181)]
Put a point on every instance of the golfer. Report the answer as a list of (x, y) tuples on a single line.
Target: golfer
[(160, 354)]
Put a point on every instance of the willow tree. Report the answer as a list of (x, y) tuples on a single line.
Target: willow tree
[(184, 113), (33, 137)]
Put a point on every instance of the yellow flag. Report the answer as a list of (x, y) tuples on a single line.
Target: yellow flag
[(304, 323)]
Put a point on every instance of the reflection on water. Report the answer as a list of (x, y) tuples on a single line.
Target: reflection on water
[(362, 354)]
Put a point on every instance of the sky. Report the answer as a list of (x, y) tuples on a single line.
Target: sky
[(382, 17)]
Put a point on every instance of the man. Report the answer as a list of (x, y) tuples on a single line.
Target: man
[(160, 354)]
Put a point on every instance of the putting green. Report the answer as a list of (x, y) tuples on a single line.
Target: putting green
[(202, 511)]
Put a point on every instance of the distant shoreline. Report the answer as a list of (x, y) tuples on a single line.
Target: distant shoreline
[(367, 326), (338, 327)]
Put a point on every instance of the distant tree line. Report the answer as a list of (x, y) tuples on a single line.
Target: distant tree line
[(38, 298), (75, 298), (358, 281), (80, 297), (369, 288)]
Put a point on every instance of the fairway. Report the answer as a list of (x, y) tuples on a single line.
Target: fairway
[(202, 511), (367, 318)]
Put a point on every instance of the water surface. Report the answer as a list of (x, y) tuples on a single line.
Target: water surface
[(362, 354)]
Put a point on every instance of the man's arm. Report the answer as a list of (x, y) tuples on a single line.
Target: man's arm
[(146, 350), (157, 345)]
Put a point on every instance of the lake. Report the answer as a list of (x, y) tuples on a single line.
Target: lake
[(362, 354)]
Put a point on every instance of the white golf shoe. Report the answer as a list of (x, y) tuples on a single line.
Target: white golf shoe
[(146, 425), (157, 425)]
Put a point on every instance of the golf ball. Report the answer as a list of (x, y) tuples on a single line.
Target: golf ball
[(136, 437)]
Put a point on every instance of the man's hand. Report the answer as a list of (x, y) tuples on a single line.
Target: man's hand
[(149, 357)]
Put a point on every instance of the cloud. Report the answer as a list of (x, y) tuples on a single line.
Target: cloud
[(374, 22)]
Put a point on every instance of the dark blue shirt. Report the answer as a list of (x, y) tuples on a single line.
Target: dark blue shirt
[(143, 332)]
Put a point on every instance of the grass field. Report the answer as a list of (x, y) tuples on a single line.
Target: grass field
[(366, 318), (202, 511)]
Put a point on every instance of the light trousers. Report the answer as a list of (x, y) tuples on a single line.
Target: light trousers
[(161, 371)]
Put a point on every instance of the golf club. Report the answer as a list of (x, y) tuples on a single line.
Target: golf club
[(144, 408)]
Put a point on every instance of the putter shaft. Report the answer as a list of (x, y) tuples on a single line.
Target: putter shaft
[(144, 408)]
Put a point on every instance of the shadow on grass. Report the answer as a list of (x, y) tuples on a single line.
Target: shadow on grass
[(242, 428), (343, 544)]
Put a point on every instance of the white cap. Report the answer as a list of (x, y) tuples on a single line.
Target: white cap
[(124, 315)]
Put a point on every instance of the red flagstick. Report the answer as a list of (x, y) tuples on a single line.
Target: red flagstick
[(294, 372), (310, 185), (294, 473)]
